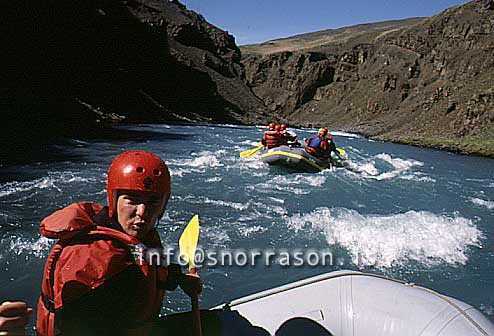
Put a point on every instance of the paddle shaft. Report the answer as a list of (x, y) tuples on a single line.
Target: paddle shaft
[(247, 154), (196, 311)]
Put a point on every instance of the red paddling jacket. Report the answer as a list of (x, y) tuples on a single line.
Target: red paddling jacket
[(92, 281), (272, 139)]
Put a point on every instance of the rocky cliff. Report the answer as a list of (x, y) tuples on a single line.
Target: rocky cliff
[(420, 81), (67, 66)]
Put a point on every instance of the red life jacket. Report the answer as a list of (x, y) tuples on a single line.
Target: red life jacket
[(283, 138), (272, 139), (90, 255)]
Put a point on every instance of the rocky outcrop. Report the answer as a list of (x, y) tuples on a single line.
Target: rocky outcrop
[(286, 81), (426, 83), (75, 64)]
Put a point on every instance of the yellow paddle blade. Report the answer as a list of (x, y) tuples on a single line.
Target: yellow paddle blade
[(188, 241), (341, 151), (250, 152)]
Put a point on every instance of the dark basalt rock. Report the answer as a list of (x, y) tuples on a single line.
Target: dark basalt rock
[(69, 66)]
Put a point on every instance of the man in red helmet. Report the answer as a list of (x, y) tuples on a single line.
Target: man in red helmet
[(289, 138), (321, 145), (318, 145), (95, 280), (272, 137)]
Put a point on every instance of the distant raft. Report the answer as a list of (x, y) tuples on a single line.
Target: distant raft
[(297, 159)]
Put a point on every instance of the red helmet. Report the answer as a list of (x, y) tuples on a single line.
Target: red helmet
[(277, 127), (137, 170), (283, 127), (271, 126), (323, 131)]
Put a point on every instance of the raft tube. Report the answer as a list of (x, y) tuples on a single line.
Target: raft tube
[(294, 158), (348, 303)]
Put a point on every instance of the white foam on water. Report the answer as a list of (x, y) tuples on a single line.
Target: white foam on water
[(417, 178), (277, 200), (247, 143), (205, 200), (228, 125), (488, 204), (209, 160), (14, 187), (214, 179), (52, 181), (250, 165), (286, 183), (384, 241), (487, 309), (309, 180), (205, 160), (216, 236), (269, 209), (179, 172), (345, 134), (268, 188), (38, 248), (249, 231), (369, 168), (233, 205)]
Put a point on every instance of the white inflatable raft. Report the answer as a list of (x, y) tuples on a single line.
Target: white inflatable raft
[(348, 303)]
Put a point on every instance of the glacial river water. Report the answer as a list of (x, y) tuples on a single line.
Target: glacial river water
[(419, 215)]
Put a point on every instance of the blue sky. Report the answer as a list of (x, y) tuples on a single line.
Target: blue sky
[(255, 21)]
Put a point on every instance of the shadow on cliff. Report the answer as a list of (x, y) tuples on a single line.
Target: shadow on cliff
[(70, 67)]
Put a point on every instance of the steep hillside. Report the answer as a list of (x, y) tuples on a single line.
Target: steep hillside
[(428, 82), (68, 66), (308, 41)]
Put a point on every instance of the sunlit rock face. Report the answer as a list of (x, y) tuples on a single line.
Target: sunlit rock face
[(424, 81)]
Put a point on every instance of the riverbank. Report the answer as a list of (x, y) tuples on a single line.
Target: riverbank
[(467, 146)]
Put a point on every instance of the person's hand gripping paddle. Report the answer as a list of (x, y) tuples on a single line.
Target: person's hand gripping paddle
[(188, 245)]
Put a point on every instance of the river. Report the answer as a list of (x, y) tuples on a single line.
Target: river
[(419, 215)]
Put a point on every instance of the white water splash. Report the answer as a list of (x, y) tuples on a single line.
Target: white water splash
[(216, 236), (249, 231), (267, 188), (204, 160), (38, 248), (286, 183), (345, 135), (253, 167), (487, 310), (418, 178), (247, 143), (371, 168), (233, 205), (488, 204), (385, 241), (309, 180), (209, 160), (54, 180), (268, 209), (214, 179), (277, 200)]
